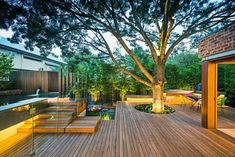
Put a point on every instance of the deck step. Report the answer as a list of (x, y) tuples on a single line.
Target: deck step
[(59, 116), (56, 114), (50, 128), (83, 125), (63, 103), (79, 125), (61, 108), (50, 120), (88, 118), (60, 128)]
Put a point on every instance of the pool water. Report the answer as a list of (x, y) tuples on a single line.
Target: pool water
[(5, 100)]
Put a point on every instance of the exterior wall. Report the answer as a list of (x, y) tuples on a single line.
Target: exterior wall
[(214, 49), (29, 64), (218, 42), (33, 71), (48, 66), (24, 62)]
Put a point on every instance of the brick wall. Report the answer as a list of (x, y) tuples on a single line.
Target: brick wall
[(218, 42)]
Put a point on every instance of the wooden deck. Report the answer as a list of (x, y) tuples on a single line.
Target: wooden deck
[(136, 134)]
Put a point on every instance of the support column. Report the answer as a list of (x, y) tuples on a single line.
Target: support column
[(70, 80), (67, 81), (209, 95), (60, 81)]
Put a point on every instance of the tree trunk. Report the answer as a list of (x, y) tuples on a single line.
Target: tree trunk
[(158, 89), (158, 105)]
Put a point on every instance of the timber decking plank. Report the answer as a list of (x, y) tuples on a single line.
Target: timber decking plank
[(137, 134)]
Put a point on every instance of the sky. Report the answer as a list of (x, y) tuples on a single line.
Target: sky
[(9, 33), (112, 41)]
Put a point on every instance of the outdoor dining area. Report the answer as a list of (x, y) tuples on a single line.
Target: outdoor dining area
[(190, 98)]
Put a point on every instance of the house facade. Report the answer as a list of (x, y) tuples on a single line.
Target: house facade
[(32, 71), (29, 60), (218, 48)]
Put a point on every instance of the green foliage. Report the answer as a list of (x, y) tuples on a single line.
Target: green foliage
[(5, 66), (144, 57), (183, 71), (144, 108), (89, 113), (5, 72), (99, 77), (96, 76), (168, 109), (221, 101), (148, 108), (95, 91), (124, 84), (103, 115), (76, 92), (106, 117), (226, 81), (51, 22), (9, 13), (5, 85), (64, 69)]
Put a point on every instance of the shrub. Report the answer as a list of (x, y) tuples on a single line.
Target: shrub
[(148, 108), (106, 117), (5, 66)]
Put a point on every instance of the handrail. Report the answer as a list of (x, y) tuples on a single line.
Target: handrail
[(21, 103)]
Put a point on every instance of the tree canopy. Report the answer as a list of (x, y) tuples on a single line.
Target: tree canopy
[(183, 71), (158, 26)]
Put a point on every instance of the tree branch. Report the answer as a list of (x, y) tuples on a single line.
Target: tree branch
[(132, 55), (122, 68), (142, 32)]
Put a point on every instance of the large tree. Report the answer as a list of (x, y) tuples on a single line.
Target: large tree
[(156, 25)]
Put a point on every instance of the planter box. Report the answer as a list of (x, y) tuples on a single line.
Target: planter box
[(11, 92)]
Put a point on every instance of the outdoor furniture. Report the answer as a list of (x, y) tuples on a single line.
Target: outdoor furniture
[(179, 92), (221, 101), (196, 99)]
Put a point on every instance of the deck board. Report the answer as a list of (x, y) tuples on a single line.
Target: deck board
[(136, 134)]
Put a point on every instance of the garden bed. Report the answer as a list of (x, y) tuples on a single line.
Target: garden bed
[(148, 109), (105, 114)]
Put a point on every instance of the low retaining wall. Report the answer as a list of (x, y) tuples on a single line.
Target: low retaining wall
[(132, 99), (11, 92), (146, 99)]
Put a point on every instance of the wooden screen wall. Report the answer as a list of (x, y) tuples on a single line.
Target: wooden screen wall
[(65, 82), (53, 79), (30, 81)]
